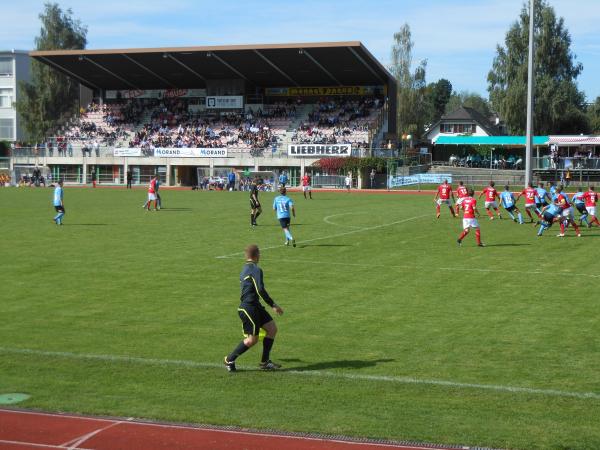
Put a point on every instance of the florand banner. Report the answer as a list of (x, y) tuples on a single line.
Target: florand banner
[(422, 178), (184, 152), (320, 91), (157, 93), (319, 150)]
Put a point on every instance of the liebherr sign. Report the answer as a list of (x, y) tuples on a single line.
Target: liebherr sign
[(319, 150)]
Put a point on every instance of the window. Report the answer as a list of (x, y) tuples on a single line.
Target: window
[(7, 129), (6, 98), (6, 67)]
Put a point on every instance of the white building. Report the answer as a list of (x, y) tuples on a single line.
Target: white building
[(14, 67), (464, 121)]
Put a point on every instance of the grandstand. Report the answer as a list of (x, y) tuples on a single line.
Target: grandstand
[(251, 100)]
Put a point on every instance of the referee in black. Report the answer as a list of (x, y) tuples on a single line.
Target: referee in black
[(255, 208), (253, 314)]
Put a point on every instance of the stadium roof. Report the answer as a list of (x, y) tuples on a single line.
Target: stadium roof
[(509, 141), (269, 65)]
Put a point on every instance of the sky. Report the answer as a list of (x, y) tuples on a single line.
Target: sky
[(458, 38)]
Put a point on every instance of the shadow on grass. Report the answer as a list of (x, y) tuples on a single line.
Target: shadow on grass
[(324, 245), (341, 364), (87, 224), (506, 245), (176, 209)]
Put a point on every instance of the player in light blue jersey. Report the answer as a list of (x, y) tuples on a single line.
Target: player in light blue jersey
[(552, 190), (283, 205), (507, 199), (579, 204), (549, 214), (58, 203), (542, 199)]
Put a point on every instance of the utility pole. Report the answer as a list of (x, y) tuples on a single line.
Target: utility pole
[(530, 87)]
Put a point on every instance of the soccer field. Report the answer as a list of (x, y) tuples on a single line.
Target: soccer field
[(390, 329)]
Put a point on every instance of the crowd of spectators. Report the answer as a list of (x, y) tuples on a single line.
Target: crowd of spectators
[(339, 122), (173, 125)]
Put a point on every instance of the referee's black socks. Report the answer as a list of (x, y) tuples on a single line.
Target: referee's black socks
[(240, 349), (267, 346)]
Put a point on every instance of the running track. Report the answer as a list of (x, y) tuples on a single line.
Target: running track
[(28, 430)]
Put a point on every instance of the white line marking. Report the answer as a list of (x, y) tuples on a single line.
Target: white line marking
[(310, 373), (33, 444), (331, 236), (451, 269), (217, 430), (328, 220), (75, 443)]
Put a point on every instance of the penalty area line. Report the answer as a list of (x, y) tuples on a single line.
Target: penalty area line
[(331, 236), (310, 373)]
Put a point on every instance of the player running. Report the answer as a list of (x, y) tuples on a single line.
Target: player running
[(491, 194), (550, 213), (58, 202), (151, 194), (591, 198), (306, 187), (253, 314), (542, 199), (530, 194), (461, 193), (442, 196), (579, 204), (507, 199), (469, 206), (562, 201), (282, 205), (255, 208)]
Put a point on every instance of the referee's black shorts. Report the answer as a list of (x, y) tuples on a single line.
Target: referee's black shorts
[(253, 318), (254, 204)]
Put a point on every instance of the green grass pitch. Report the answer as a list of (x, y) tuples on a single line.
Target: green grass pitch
[(390, 329)]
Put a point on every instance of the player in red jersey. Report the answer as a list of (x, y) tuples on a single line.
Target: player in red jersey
[(567, 217), (461, 193), (151, 194), (442, 196), (530, 194), (469, 207), (491, 194), (591, 199), (306, 185)]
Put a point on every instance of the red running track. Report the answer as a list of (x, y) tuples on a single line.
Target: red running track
[(28, 430)]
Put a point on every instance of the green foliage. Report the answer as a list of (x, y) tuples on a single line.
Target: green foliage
[(593, 114), (413, 108), (438, 96), (559, 106), (351, 164), (51, 96), (470, 100)]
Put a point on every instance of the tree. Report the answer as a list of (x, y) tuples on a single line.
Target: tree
[(559, 105), (438, 96), (412, 107), (470, 100), (51, 96), (593, 112)]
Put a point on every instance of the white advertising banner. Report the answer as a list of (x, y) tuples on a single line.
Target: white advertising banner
[(319, 150), (225, 102), (157, 93), (422, 178), (132, 152), (184, 152)]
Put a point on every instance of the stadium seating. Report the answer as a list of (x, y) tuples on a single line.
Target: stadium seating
[(149, 123)]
